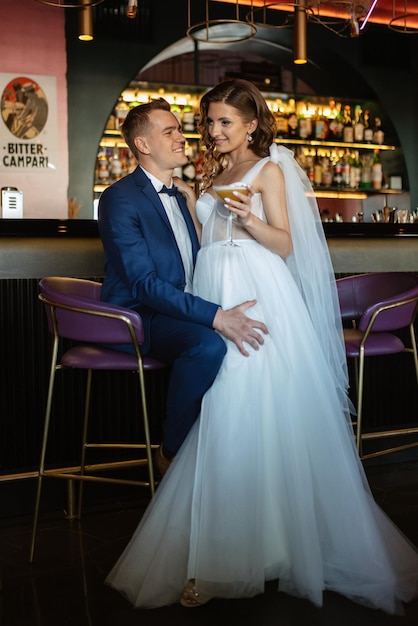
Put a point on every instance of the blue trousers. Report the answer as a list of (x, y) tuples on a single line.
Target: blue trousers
[(195, 354)]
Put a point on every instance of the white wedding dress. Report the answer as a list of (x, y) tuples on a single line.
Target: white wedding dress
[(268, 484)]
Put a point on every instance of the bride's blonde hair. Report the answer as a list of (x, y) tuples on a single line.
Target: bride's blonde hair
[(250, 104)]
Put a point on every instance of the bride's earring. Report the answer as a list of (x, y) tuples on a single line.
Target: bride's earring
[(249, 138)]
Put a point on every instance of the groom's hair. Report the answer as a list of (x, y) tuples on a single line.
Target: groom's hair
[(137, 121)]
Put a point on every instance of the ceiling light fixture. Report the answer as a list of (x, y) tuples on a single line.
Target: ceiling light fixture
[(220, 30), (354, 25), (272, 14), (85, 14), (85, 21), (299, 34), (63, 4), (405, 23)]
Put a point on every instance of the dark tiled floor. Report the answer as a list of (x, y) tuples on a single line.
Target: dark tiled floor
[(64, 586)]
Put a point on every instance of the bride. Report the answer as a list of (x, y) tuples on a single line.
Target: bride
[(268, 485)]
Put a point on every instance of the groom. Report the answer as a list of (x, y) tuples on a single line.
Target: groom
[(150, 246)]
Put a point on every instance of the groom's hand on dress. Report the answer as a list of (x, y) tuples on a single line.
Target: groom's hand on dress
[(236, 326)]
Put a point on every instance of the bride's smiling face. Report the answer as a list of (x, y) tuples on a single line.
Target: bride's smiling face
[(227, 127)]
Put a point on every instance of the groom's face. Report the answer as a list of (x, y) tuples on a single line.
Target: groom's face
[(163, 142)]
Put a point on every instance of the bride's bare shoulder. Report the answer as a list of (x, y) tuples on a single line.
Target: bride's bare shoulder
[(270, 172)]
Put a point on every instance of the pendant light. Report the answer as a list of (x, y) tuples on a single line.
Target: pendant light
[(216, 28), (85, 21), (85, 14), (65, 4), (299, 34)]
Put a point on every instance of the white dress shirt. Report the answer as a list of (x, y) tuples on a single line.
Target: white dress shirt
[(177, 223)]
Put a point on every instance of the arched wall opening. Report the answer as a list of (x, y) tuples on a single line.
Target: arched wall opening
[(334, 69)]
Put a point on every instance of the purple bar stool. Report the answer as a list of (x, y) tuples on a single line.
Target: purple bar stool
[(74, 311), (378, 304)]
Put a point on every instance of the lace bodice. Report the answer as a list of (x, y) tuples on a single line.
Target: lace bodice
[(213, 216)]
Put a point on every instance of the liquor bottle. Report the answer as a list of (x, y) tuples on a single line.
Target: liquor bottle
[(102, 173), (121, 111), (333, 123), (340, 123), (348, 132), (304, 122), (281, 124), (345, 170), (321, 125), (326, 172), (355, 170), (377, 173), (292, 121), (300, 157), (281, 120), (115, 166), (198, 164), (292, 126), (176, 110), (111, 122), (368, 131), (378, 134), (318, 171), (310, 170), (358, 124), (196, 121), (337, 179), (366, 171), (188, 173), (188, 118), (132, 162), (124, 158)]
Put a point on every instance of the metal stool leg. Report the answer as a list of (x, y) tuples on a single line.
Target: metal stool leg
[(360, 402), (146, 430), (84, 440), (414, 349), (44, 444)]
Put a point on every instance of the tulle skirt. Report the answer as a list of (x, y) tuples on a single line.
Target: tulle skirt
[(268, 484)]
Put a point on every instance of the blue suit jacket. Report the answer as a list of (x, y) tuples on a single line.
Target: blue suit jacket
[(143, 266)]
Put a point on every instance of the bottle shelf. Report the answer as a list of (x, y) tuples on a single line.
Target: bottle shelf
[(334, 144), (312, 153), (329, 192), (113, 139), (112, 142), (349, 193)]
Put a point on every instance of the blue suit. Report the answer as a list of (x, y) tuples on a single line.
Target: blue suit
[(144, 271)]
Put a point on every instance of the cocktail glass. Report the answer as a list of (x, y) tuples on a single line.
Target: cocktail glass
[(227, 191)]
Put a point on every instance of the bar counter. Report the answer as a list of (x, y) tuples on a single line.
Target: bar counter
[(367, 247), (32, 249), (36, 248)]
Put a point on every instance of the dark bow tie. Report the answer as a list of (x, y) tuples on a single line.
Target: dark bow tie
[(171, 191)]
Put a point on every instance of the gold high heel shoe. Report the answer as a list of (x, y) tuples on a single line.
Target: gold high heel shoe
[(191, 598)]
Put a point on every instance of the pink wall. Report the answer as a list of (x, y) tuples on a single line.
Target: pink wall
[(32, 42)]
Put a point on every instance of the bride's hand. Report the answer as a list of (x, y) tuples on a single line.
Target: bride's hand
[(241, 205), (190, 197), (184, 188)]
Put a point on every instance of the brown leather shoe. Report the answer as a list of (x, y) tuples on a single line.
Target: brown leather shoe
[(161, 463)]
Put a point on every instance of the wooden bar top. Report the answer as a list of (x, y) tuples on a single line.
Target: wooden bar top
[(37, 248)]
